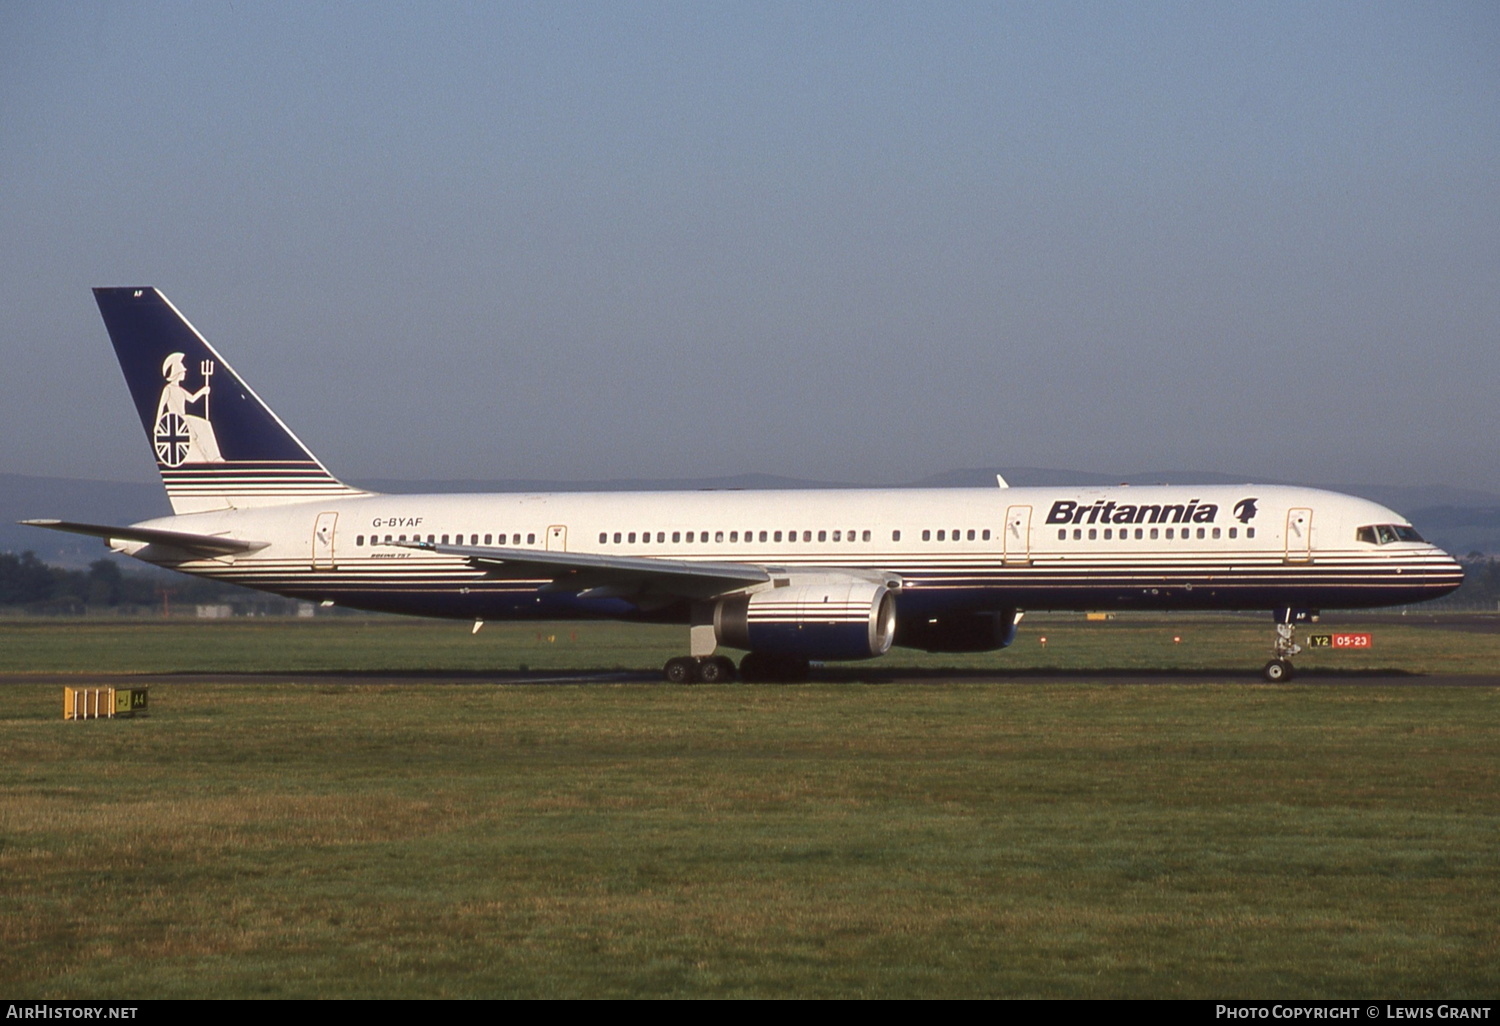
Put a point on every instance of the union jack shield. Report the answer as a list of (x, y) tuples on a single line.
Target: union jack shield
[(172, 440)]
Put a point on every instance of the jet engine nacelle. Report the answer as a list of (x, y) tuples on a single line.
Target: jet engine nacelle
[(962, 632), (811, 615)]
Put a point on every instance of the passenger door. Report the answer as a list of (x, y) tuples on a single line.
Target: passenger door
[(323, 541), (1018, 535), (1299, 535)]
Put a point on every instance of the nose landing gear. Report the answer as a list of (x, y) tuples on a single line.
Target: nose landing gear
[(1279, 669)]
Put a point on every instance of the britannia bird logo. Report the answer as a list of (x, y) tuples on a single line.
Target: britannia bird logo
[(179, 436), (1245, 510)]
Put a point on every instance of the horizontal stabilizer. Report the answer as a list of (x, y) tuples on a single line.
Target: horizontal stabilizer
[(201, 544), (579, 571)]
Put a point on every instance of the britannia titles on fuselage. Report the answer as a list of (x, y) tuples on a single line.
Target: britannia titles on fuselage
[(1102, 511)]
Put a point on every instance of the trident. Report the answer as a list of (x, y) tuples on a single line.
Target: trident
[(207, 370)]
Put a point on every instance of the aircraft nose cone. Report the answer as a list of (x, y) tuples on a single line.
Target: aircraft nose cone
[(1452, 569)]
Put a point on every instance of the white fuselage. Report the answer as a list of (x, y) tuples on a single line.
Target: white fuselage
[(1156, 547)]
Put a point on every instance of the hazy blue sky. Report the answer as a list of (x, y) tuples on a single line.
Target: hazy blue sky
[(847, 241)]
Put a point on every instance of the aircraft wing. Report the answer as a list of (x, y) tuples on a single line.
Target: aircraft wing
[(606, 576), (210, 545)]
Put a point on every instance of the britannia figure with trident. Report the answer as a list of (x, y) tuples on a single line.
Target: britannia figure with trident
[(181, 437)]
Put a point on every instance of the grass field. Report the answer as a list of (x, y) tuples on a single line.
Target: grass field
[(1084, 839), (1232, 645)]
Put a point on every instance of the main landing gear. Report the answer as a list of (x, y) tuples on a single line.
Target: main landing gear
[(1279, 669), (699, 670), (755, 668), (701, 666)]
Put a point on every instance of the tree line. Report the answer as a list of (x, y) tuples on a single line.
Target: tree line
[(29, 584), (1481, 587)]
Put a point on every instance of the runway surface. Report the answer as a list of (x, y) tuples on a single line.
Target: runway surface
[(828, 675)]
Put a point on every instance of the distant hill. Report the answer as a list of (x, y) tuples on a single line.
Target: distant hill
[(1460, 520), (106, 502), (746, 482)]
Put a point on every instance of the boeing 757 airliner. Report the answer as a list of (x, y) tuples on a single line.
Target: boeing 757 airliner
[(789, 576)]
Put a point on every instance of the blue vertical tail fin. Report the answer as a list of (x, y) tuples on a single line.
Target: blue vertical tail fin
[(217, 445)]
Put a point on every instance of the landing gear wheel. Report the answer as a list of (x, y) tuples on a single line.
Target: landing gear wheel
[(716, 670), (1277, 671), (681, 670)]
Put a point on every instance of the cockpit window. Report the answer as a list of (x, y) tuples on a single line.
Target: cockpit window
[(1385, 534)]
